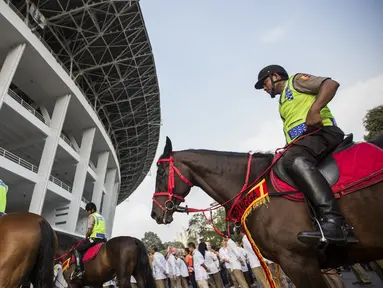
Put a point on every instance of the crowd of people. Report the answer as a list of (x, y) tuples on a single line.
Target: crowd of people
[(203, 265)]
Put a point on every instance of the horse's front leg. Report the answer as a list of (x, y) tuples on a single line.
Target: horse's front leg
[(304, 272)]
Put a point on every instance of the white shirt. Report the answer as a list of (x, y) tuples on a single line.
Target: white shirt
[(253, 259), (199, 272), (132, 280), (223, 254), (182, 267), (243, 257), (234, 255), (211, 262), (159, 264), (59, 280), (111, 283), (171, 266)]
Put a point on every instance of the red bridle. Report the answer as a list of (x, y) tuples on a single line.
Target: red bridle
[(169, 204)]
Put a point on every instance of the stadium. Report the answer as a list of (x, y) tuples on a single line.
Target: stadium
[(79, 108)]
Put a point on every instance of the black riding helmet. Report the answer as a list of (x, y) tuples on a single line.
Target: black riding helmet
[(268, 71), (90, 206)]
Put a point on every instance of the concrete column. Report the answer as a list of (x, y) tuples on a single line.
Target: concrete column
[(49, 154), (112, 210), (98, 187), (9, 68), (79, 178), (109, 186)]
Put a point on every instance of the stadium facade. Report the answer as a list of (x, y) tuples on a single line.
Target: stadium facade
[(79, 107)]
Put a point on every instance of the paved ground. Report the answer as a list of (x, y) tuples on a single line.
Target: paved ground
[(349, 279)]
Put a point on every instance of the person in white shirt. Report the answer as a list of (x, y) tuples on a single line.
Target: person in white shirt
[(58, 280), (172, 268), (133, 282), (255, 265), (245, 269), (158, 266), (224, 259), (211, 262), (200, 269), (184, 273), (236, 262)]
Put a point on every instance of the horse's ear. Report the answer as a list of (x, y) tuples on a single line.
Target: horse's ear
[(168, 147)]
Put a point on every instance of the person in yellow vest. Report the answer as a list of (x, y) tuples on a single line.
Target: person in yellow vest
[(94, 235), (303, 109), (3, 197)]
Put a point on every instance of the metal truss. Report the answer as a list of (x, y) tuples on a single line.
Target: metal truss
[(105, 47)]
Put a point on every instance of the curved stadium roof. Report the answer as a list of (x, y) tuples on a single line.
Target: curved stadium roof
[(105, 47)]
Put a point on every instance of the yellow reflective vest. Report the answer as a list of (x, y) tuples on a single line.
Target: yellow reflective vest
[(293, 109), (99, 226), (3, 196)]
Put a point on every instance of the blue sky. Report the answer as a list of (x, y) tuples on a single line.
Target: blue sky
[(208, 54)]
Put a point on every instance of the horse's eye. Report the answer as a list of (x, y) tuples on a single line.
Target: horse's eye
[(161, 172)]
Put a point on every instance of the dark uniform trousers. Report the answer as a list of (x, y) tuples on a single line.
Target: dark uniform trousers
[(89, 243), (314, 147)]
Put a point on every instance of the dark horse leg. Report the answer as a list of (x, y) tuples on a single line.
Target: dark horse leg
[(278, 241), (143, 272), (275, 226), (125, 267), (302, 271), (131, 259)]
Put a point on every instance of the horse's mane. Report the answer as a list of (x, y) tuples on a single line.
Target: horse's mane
[(231, 154), (262, 155)]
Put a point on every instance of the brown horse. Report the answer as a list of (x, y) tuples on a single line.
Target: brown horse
[(119, 257), (274, 227), (27, 250)]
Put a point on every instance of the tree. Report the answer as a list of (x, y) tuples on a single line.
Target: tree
[(175, 244), (201, 229), (373, 122), (151, 239)]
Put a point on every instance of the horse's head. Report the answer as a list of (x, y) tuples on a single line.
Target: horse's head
[(173, 183)]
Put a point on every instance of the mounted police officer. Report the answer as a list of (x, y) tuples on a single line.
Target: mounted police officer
[(3, 197), (303, 109), (94, 235)]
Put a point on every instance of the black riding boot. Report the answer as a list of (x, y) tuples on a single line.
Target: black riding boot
[(319, 193), (79, 271)]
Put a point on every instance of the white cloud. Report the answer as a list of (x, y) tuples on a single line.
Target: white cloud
[(349, 107), (351, 104), (268, 137), (274, 35)]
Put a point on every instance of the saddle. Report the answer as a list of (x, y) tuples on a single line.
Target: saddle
[(328, 167), (88, 256)]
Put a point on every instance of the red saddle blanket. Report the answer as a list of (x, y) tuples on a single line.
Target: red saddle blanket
[(359, 166), (90, 254)]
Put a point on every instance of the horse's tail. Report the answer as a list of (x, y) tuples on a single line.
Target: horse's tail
[(143, 265), (43, 270)]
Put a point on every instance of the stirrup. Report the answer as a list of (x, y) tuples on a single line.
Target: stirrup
[(77, 275), (323, 242)]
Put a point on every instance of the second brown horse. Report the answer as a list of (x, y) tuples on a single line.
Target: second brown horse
[(120, 257)]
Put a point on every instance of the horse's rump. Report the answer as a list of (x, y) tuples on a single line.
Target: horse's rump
[(347, 171), (27, 250)]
